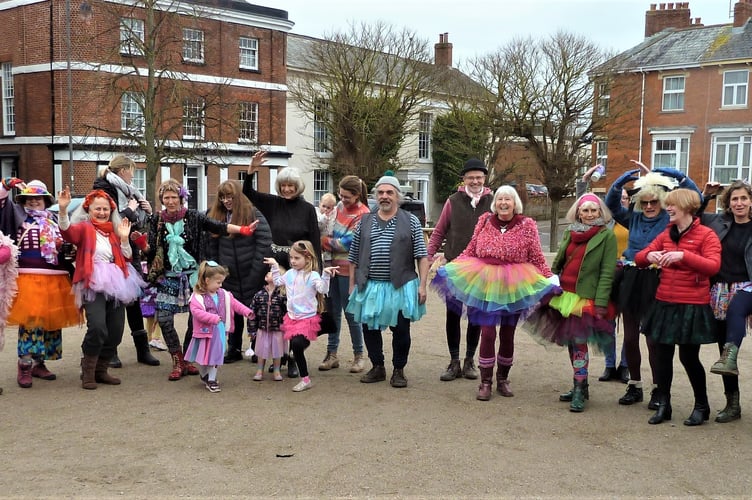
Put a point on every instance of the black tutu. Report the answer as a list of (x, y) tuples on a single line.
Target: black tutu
[(691, 324), (636, 290)]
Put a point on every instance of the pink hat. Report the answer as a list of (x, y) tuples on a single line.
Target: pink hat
[(588, 197)]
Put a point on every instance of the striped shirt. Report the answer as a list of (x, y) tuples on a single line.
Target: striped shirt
[(382, 234)]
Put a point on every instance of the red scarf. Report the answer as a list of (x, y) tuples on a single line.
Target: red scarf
[(107, 230), (575, 253)]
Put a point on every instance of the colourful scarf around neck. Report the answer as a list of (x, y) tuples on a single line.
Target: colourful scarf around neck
[(49, 234)]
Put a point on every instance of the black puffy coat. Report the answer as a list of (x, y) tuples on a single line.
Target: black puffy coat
[(244, 257)]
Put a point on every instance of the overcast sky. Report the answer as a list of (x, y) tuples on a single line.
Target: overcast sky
[(480, 26)]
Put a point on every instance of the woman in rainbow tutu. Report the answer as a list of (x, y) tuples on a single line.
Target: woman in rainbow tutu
[(582, 314), (104, 281), (499, 278)]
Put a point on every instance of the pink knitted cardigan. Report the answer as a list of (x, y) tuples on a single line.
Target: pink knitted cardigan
[(521, 244)]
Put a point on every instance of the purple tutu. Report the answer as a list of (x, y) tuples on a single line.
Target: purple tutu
[(108, 279)]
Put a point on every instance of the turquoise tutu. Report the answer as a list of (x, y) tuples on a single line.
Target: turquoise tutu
[(380, 303)]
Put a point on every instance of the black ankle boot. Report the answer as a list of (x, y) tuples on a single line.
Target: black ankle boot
[(143, 353), (115, 361), (700, 414), (292, 368), (663, 412)]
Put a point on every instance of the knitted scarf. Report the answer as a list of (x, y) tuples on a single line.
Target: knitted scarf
[(49, 233)]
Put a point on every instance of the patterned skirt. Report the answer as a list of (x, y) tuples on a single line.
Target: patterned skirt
[(491, 293), (668, 323)]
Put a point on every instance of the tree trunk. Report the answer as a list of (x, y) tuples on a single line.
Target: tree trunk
[(553, 243)]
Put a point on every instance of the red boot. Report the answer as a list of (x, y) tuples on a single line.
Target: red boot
[(486, 380), (177, 366), (24, 373)]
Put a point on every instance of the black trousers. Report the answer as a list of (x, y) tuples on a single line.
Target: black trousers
[(105, 320)]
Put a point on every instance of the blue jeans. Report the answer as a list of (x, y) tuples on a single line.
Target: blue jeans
[(339, 293)]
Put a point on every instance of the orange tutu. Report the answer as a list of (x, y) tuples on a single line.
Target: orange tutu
[(44, 301)]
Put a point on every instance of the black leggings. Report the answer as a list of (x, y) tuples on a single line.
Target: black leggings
[(689, 355), (453, 329), (298, 345)]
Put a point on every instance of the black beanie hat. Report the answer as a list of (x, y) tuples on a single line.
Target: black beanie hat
[(473, 164)]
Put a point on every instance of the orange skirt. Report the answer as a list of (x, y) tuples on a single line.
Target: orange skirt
[(44, 301)]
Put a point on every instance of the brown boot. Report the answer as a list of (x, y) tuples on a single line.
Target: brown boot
[(24, 373), (88, 367), (502, 382), (100, 373), (486, 380)]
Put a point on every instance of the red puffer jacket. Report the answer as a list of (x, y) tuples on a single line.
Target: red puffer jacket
[(686, 282)]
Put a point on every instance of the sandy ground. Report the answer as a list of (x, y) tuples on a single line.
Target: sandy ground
[(152, 438)]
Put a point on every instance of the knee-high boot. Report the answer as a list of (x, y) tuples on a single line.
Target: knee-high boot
[(486, 381)]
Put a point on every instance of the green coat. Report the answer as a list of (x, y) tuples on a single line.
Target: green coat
[(596, 275)]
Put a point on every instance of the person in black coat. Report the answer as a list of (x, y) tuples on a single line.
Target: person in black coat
[(244, 257), (115, 180)]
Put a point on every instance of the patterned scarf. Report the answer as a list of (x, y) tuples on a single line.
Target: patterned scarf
[(474, 198), (49, 233), (175, 217)]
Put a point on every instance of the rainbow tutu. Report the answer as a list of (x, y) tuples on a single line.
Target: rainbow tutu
[(569, 318), (490, 293)]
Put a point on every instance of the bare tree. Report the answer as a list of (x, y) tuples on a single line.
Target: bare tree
[(543, 95), (365, 87), (142, 52)]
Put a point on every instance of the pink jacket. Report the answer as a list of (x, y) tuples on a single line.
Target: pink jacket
[(206, 314), (521, 244)]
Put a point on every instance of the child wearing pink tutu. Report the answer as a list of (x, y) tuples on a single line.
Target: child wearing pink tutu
[(213, 310), (104, 281), (269, 308), (305, 288)]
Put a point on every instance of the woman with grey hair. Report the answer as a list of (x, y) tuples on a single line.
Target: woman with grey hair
[(499, 278), (290, 217)]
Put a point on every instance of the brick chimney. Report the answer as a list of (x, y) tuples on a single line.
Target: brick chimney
[(442, 51), (667, 15), (742, 12)]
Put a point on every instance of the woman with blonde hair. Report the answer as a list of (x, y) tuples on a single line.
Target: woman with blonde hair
[(117, 181), (243, 257)]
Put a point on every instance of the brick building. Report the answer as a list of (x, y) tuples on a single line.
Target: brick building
[(219, 71), (680, 98)]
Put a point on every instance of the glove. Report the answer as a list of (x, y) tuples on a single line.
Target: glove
[(626, 177), (249, 229), (670, 172), (140, 240), (11, 182)]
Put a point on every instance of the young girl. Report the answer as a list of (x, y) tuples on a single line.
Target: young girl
[(326, 215), (213, 311), (149, 312), (302, 284), (269, 308)]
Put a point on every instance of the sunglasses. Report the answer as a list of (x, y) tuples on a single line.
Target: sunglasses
[(645, 203)]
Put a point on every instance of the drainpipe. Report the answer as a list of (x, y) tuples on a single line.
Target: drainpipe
[(642, 116)]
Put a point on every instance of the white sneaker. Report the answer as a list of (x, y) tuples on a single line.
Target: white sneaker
[(302, 386), (158, 344)]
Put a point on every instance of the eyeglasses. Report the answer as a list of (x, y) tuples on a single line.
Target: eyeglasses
[(471, 178), (645, 203)]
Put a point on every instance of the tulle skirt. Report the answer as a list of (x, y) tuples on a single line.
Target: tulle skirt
[(379, 304), (270, 345), (492, 293), (109, 280), (44, 301), (636, 289), (148, 302), (308, 327), (570, 318), (692, 324)]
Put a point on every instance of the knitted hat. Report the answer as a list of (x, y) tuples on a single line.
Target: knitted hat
[(473, 164), (36, 188), (389, 178)]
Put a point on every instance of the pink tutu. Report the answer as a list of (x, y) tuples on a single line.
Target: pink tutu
[(308, 327), (108, 279)]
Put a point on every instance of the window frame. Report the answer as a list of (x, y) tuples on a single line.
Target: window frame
[(248, 128), (139, 180), (425, 128), (742, 154), (322, 184), (248, 56), (322, 141), (735, 89), (132, 38), (604, 99), (9, 99), (193, 41), (601, 153), (194, 119), (671, 94), (135, 110), (680, 152)]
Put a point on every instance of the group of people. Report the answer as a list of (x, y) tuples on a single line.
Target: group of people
[(683, 277)]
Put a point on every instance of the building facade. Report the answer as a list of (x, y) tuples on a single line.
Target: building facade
[(680, 98), (214, 72)]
